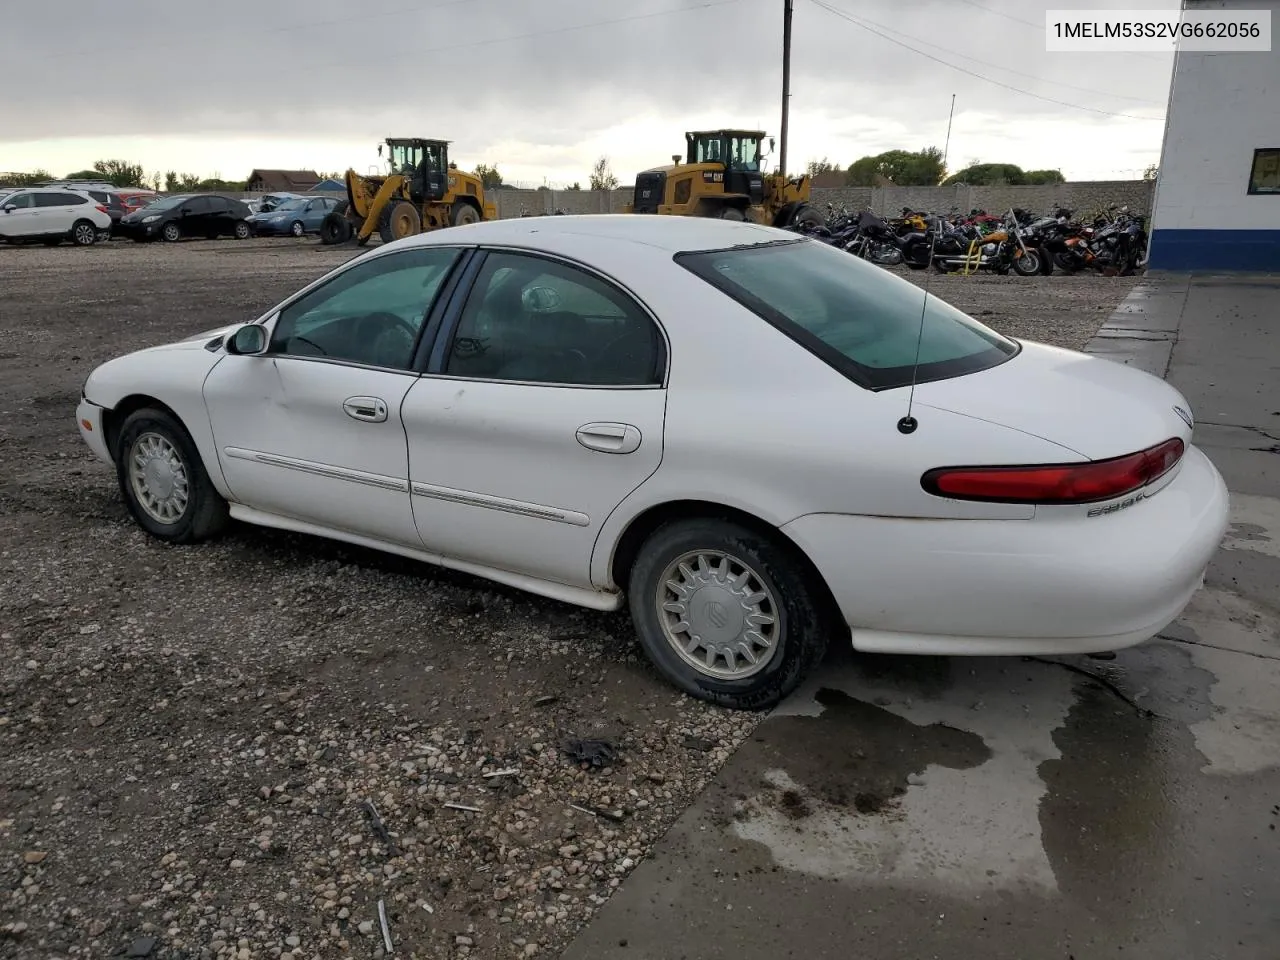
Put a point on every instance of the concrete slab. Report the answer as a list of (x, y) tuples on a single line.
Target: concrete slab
[(916, 808)]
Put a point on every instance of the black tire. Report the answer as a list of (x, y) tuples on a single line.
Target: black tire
[(84, 233), (335, 229), (807, 216), (464, 213), (242, 230), (1027, 264), (205, 513), (171, 232), (732, 213), (399, 219), (1046, 262), (804, 621), (916, 256), (297, 229)]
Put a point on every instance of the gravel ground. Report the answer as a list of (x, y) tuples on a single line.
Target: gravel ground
[(237, 750)]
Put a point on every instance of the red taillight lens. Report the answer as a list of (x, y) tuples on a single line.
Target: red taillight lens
[(1056, 483), (103, 209)]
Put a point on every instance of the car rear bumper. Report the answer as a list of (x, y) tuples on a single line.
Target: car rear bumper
[(1060, 583), (89, 420)]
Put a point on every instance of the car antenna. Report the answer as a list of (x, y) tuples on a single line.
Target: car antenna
[(908, 424)]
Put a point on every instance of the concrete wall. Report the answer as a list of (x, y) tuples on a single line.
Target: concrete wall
[(1223, 106)]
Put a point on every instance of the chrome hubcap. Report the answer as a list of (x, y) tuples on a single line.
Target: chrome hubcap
[(718, 614), (158, 477), (86, 234)]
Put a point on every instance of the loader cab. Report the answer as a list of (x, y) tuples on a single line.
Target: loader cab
[(426, 165), (739, 151)]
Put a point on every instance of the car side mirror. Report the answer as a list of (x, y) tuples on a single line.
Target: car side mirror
[(248, 341), (10, 208)]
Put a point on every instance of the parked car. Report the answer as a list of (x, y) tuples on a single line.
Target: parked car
[(188, 215), (269, 201), (137, 199), (51, 216), (116, 208), (296, 217), (722, 424)]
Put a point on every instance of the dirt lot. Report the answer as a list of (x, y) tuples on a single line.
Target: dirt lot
[(189, 736)]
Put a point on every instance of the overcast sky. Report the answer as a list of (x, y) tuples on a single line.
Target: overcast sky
[(220, 88)]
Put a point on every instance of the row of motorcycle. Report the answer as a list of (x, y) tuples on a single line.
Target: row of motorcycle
[(1112, 242)]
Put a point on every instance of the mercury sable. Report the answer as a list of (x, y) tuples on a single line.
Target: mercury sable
[(757, 442)]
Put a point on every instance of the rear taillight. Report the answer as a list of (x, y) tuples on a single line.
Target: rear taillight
[(102, 209), (1056, 483)]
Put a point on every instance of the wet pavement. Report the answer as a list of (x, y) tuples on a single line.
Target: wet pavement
[(908, 807)]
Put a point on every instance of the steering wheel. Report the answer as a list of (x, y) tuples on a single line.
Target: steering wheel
[(385, 333)]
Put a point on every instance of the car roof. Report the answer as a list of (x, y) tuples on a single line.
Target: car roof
[(666, 233)]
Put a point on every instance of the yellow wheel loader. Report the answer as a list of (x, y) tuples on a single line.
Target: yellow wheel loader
[(721, 176), (421, 191)]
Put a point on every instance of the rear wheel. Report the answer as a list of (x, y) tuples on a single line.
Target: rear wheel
[(464, 213), (242, 230), (84, 234), (400, 219), (164, 481), (726, 613)]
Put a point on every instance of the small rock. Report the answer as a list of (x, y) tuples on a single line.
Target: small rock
[(464, 941), (365, 927), (89, 628), (97, 720), (35, 856), (32, 665), (293, 941), (97, 928), (237, 864), (915, 779), (502, 893), (141, 947), (530, 949), (18, 929)]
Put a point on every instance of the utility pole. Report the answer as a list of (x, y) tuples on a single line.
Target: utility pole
[(787, 7)]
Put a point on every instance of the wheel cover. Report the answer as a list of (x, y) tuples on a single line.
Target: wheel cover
[(297, 229), (158, 477), (171, 231), (718, 614), (86, 234)]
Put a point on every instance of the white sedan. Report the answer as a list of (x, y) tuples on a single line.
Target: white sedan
[(711, 421)]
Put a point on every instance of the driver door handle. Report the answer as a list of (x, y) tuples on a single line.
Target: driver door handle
[(609, 437), (369, 409)]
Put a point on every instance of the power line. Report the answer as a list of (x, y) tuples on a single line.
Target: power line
[(1027, 93), (997, 66)]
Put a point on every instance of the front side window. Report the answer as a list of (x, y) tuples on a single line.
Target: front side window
[(22, 201), (371, 313), (859, 318), (1264, 176), (59, 199), (542, 321)]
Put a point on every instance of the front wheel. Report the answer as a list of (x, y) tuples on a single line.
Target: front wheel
[(297, 229), (171, 232), (1026, 263), (164, 481), (242, 230), (727, 614), (807, 218)]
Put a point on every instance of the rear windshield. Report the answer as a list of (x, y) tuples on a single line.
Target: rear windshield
[(858, 317)]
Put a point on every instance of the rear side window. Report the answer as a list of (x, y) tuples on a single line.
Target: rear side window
[(859, 318), (59, 199)]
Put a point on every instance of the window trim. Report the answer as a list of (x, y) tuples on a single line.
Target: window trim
[(271, 320), (847, 368), (1253, 190), (453, 317)]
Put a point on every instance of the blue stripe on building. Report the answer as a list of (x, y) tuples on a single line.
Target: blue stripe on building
[(1218, 250)]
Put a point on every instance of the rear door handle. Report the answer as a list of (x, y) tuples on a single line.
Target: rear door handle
[(609, 437), (369, 409)]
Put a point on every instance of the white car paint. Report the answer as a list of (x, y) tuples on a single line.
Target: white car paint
[(27, 213), (490, 477)]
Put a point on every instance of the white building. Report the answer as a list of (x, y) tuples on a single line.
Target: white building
[(1217, 203)]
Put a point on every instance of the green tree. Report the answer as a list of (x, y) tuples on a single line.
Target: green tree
[(120, 172), (990, 174), (28, 179), (902, 168), (1151, 172), (1045, 176), (84, 175), (189, 181), (489, 176), (815, 167), (170, 182), (602, 177), (576, 186)]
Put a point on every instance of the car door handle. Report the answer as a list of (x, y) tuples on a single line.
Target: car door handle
[(609, 437), (369, 409)]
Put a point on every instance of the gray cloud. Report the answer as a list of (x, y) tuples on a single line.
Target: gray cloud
[(321, 69)]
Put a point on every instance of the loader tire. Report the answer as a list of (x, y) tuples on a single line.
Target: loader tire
[(399, 220), (464, 213), (732, 213), (335, 228), (807, 216)]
